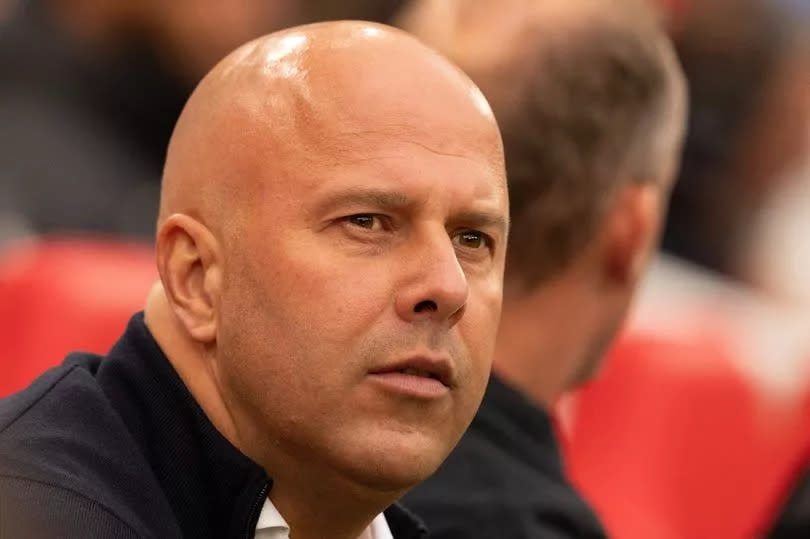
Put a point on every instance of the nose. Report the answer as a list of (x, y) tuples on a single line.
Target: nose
[(435, 286)]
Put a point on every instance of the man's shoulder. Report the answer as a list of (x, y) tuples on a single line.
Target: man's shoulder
[(30, 508), (484, 490), (482, 465), (479, 471), (43, 393), (62, 442)]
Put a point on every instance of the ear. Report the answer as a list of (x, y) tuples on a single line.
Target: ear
[(630, 231), (189, 263)]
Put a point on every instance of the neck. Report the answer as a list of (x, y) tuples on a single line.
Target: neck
[(542, 339), (312, 498), (191, 361), (315, 507)]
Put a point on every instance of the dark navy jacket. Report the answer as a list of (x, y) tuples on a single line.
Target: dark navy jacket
[(504, 479), (117, 447)]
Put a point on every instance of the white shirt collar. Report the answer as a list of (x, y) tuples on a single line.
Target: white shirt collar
[(271, 525)]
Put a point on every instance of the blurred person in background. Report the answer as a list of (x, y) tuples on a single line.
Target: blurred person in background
[(740, 210), (5, 7), (793, 521), (747, 66), (90, 90), (591, 103), (773, 256), (89, 93), (738, 228), (367, 10)]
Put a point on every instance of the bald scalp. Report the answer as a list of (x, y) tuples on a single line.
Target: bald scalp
[(284, 102)]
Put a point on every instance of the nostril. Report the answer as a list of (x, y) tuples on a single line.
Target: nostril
[(426, 305)]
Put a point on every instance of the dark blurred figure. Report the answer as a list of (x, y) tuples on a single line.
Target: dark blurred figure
[(748, 124), (794, 521), (773, 256), (5, 7), (591, 104), (367, 10), (89, 92)]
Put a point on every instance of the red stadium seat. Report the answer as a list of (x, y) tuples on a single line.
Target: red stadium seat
[(66, 294), (673, 441)]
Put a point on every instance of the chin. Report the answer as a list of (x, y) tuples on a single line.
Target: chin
[(396, 464)]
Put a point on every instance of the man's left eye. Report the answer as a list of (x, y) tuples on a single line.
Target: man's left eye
[(471, 239), (366, 220)]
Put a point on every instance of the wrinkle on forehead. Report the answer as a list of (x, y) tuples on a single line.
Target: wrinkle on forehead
[(349, 153), (393, 142)]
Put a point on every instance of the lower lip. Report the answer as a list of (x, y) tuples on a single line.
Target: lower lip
[(410, 385)]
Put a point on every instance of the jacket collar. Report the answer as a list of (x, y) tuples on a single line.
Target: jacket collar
[(212, 487), (517, 424)]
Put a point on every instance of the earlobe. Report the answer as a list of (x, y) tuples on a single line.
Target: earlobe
[(188, 258), (632, 231)]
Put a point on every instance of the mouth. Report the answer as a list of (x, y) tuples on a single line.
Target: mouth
[(418, 372), (419, 377)]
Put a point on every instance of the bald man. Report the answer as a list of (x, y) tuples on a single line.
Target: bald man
[(591, 104), (331, 246)]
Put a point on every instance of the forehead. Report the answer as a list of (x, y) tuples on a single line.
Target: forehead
[(419, 168), (357, 136), (410, 119), (404, 142)]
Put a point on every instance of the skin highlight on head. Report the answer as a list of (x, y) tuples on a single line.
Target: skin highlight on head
[(334, 202)]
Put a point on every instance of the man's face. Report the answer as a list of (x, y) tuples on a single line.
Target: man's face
[(361, 298)]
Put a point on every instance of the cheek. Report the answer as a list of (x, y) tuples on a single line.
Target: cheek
[(306, 312), (479, 327), (339, 299), (484, 310)]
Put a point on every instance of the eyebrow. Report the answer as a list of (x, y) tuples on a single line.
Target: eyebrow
[(391, 200), (396, 200), (482, 219)]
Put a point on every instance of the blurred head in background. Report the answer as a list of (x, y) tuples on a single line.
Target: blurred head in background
[(591, 104)]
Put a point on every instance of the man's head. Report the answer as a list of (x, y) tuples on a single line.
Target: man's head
[(591, 104), (331, 242)]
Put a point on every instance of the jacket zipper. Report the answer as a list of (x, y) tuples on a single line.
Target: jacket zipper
[(249, 533)]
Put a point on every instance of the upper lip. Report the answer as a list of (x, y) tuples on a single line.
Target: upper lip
[(440, 367)]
